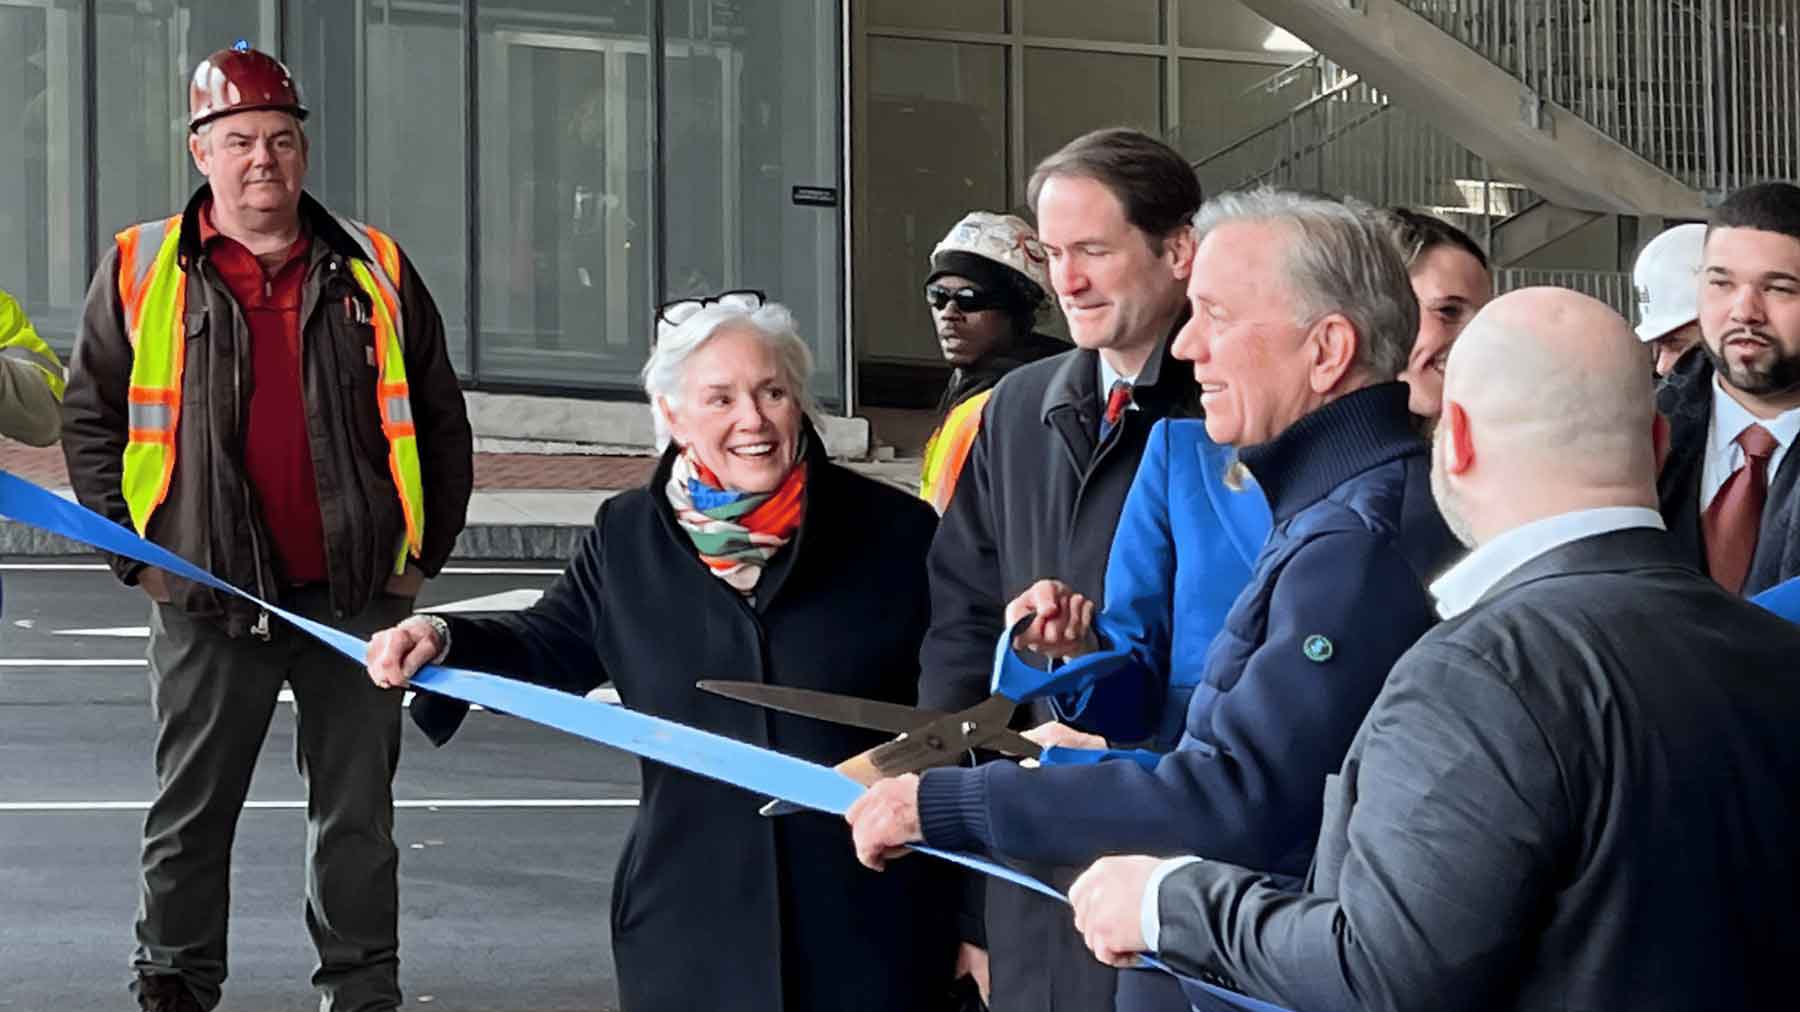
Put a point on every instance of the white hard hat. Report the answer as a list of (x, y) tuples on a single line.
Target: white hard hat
[(1004, 239), (1667, 278)]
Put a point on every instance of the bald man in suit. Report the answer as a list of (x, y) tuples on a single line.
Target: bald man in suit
[(1577, 792)]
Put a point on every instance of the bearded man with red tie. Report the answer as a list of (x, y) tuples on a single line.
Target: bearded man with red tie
[(1728, 490)]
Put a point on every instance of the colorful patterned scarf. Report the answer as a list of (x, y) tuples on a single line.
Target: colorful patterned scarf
[(736, 533)]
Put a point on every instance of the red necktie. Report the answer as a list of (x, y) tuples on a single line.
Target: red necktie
[(1116, 400), (1731, 523)]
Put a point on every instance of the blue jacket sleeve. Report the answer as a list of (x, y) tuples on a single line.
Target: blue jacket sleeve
[(1249, 790), (1123, 684)]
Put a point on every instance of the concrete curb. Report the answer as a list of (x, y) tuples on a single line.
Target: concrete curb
[(23, 539), (524, 542)]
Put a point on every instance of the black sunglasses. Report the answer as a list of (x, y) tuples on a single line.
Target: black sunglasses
[(677, 312), (968, 300)]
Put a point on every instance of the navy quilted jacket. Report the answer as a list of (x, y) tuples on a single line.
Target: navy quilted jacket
[(1337, 594)]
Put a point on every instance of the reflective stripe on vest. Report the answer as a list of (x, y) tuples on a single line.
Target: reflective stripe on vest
[(153, 291), (394, 396), (948, 449)]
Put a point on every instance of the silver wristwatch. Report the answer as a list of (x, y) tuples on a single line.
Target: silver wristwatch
[(442, 629)]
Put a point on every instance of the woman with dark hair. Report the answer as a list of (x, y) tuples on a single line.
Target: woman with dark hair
[(989, 282), (1451, 279)]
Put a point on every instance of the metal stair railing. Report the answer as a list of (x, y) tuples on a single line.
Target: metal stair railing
[(1349, 139), (1702, 88), (1611, 287)]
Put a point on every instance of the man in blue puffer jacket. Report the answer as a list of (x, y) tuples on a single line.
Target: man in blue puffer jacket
[(1302, 317)]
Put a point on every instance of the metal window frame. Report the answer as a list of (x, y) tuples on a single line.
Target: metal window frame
[(90, 132), (1013, 42), (471, 116)]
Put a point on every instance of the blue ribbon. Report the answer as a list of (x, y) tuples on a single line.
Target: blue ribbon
[(1783, 599), (759, 770), (1019, 681)]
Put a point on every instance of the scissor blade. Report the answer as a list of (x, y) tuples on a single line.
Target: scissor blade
[(872, 714), (1013, 743), (942, 742)]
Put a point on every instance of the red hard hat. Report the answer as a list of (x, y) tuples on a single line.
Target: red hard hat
[(240, 79)]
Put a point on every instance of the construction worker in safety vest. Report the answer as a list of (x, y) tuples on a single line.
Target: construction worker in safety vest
[(989, 284), (31, 380), (262, 386)]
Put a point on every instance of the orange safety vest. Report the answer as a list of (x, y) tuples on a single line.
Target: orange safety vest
[(947, 449), (153, 290)]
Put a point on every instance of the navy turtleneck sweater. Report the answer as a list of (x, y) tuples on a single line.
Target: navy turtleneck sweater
[(1319, 452), (1361, 430), (1338, 594)]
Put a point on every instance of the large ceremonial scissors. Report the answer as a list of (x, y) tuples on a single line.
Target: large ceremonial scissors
[(926, 738)]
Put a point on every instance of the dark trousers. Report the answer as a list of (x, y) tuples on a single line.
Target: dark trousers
[(1037, 960), (213, 697)]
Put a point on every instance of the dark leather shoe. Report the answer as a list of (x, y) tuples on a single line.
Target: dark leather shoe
[(165, 993)]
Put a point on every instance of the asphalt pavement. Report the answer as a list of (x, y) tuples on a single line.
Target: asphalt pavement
[(507, 836)]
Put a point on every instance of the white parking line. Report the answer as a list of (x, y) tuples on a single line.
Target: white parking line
[(68, 567), (51, 567), (65, 662), (604, 694), (427, 804), (499, 571)]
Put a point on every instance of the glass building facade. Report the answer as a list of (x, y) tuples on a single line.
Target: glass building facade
[(558, 168), (555, 168)]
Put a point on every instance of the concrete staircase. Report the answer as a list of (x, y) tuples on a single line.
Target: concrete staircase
[(1522, 133), (1525, 120)]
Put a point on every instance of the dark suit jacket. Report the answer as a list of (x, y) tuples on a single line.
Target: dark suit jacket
[(1583, 794), (1686, 398), (1040, 496)]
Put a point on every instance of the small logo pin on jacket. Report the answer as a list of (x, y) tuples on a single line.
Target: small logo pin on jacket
[(1318, 649)]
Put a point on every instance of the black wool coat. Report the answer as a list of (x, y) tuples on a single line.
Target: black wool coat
[(714, 906)]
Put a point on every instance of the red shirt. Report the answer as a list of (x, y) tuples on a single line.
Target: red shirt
[(277, 454)]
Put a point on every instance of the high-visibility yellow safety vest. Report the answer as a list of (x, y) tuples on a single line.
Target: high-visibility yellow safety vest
[(153, 290), (18, 339), (947, 449)]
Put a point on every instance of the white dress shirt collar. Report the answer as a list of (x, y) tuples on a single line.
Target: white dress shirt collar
[(1109, 376), (1466, 582), (1723, 456)]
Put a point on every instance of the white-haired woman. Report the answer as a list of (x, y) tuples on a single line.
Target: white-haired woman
[(751, 556)]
